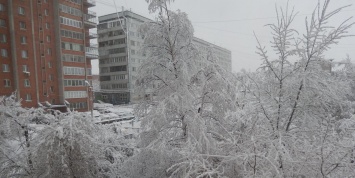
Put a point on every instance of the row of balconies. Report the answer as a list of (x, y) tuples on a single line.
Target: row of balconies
[(90, 21), (92, 52)]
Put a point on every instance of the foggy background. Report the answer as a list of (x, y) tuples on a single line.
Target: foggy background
[(231, 23)]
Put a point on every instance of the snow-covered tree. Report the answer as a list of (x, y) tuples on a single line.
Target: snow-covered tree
[(171, 61), (192, 96), (46, 143), (15, 139), (291, 120)]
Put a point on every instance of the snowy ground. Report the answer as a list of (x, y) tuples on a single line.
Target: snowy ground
[(121, 116)]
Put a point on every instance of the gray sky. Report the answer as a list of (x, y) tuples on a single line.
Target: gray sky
[(231, 23)]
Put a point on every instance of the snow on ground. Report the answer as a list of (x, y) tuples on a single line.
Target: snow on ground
[(121, 116)]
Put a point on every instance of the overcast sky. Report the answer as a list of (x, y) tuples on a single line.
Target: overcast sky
[(231, 23)]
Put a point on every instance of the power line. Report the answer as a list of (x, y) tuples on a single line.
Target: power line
[(257, 18), (106, 3)]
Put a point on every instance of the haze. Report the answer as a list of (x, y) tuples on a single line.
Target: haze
[(231, 23)]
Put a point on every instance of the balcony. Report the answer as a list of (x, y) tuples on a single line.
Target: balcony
[(91, 35), (90, 3), (91, 52), (103, 53), (118, 90), (90, 20)]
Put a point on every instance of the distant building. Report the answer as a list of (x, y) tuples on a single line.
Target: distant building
[(46, 52), (119, 43)]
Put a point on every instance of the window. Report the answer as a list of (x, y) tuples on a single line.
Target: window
[(104, 70), (48, 38), (133, 43), (51, 89), (133, 51), (80, 105), (120, 85), (73, 71), (49, 51), (2, 23), (2, 7), (72, 34), (23, 40), (3, 53), (46, 1), (119, 77), (70, 10), (133, 69), (7, 82), (24, 54), (25, 68), (51, 77), (46, 12), (70, 22), (22, 25), (116, 50), (72, 46), (27, 83), (3, 38), (47, 25), (5, 68), (21, 10), (72, 58), (105, 78), (49, 64), (74, 82), (118, 68), (75, 94), (28, 97)]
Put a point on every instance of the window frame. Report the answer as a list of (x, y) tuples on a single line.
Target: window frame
[(5, 68), (7, 83), (22, 25), (23, 41), (3, 23), (21, 10), (2, 7), (28, 97), (4, 53), (3, 38), (24, 54), (25, 68), (27, 83)]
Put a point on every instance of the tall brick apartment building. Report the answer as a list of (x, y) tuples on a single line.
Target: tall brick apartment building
[(45, 51)]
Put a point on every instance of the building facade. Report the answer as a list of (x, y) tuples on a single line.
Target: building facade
[(119, 57), (46, 52)]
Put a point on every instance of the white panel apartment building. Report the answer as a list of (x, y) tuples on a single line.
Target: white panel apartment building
[(119, 57)]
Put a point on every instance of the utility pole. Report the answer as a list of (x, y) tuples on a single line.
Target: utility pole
[(90, 89)]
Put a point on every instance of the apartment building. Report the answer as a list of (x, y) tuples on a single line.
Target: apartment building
[(46, 52), (119, 57)]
